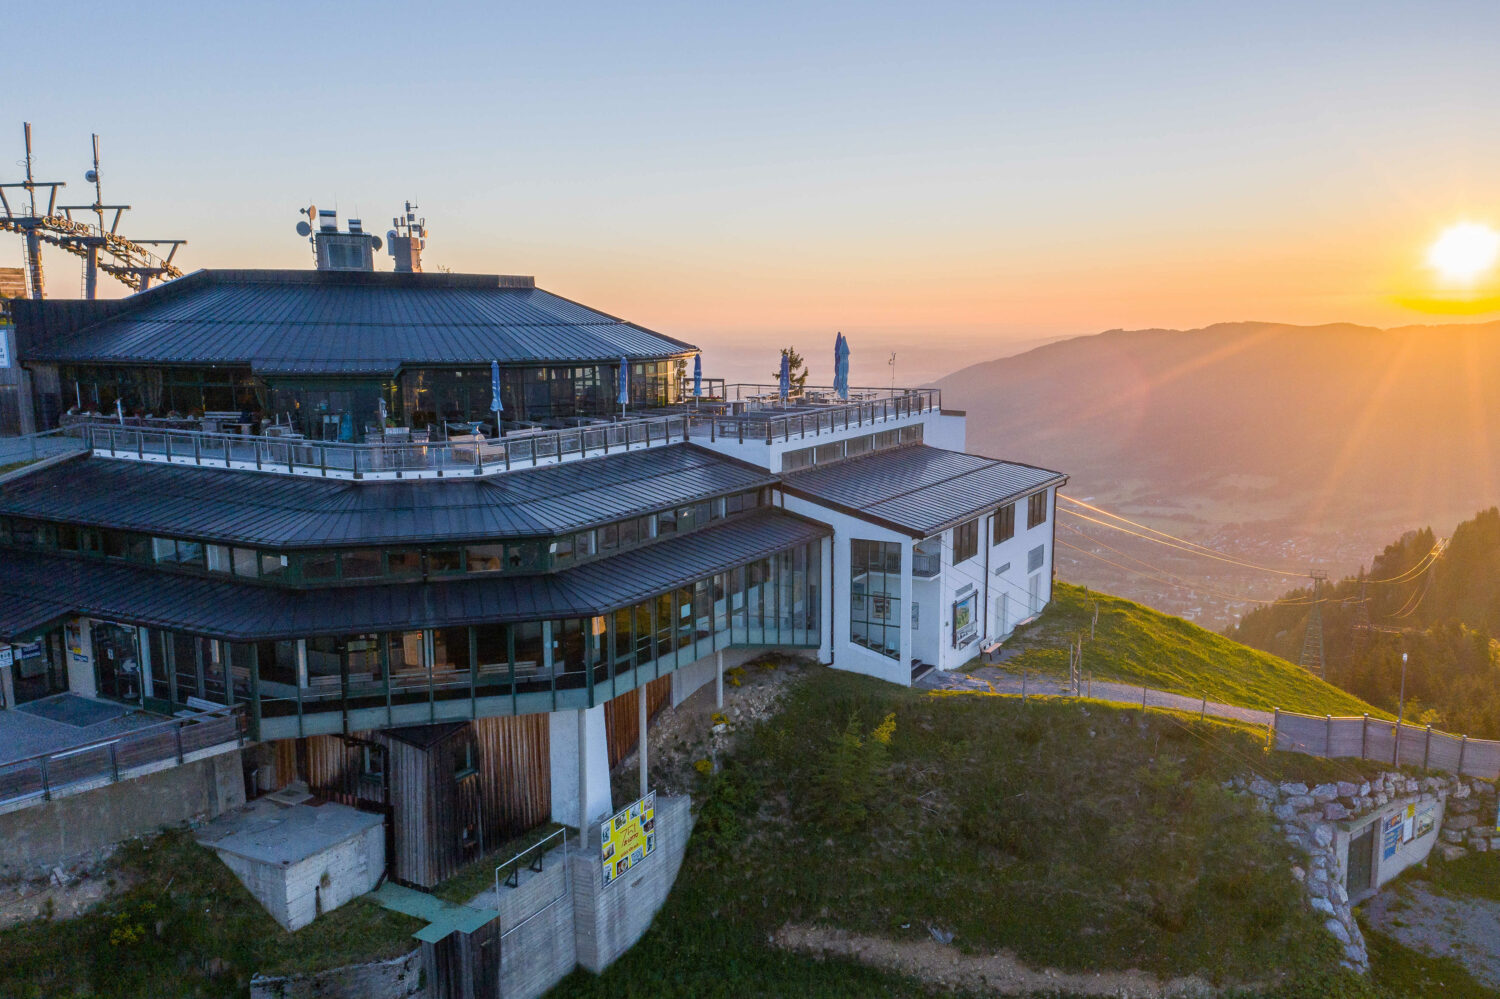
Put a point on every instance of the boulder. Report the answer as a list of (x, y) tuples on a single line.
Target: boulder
[(1462, 806), (1348, 789), (1262, 788), (1323, 835), (1461, 821), (1333, 812), (1479, 844), (1300, 801), (1324, 793), (1337, 929), (1450, 852), (1321, 904), (1452, 836), (1364, 789), (1382, 799), (1461, 790), (1284, 812)]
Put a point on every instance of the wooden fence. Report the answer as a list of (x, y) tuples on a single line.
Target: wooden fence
[(1382, 741)]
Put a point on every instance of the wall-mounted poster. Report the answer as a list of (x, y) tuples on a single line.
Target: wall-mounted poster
[(965, 623), (1425, 821), (628, 838), (1390, 834)]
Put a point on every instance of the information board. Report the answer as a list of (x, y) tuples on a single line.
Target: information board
[(628, 838), (1390, 835)]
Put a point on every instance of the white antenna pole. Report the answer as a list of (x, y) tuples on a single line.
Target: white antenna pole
[(892, 363)]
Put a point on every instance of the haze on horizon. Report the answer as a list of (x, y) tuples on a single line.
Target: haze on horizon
[(948, 182)]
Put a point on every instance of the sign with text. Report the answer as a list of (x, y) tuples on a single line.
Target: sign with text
[(5, 351), (1391, 835), (628, 838)]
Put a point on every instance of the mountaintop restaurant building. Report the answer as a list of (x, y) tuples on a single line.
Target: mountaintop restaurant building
[(338, 554)]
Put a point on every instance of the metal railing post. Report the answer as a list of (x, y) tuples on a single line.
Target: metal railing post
[(114, 765), (177, 731), (46, 782)]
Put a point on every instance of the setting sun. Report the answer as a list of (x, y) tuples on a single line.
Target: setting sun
[(1464, 251)]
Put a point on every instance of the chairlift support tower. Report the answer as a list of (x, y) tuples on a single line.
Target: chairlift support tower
[(1312, 642), (130, 261)]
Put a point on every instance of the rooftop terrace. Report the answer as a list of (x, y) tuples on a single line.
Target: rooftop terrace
[(743, 413)]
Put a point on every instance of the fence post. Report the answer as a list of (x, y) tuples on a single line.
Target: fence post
[(1364, 737), (1427, 748), (1328, 737), (46, 784), (1143, 697), (114, 765), (178, 733), (1396, 750), (1023, 684), (1275, 724), (1463, 744), (1203, 711)]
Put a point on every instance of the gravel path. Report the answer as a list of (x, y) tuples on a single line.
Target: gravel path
[(1466, 929), (991, 679)]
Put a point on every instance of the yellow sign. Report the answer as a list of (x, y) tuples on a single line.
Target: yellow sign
[(628, 838)]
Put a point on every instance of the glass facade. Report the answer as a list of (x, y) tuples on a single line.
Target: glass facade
[(774, 601), (346, 409), (875, 596), (523, 556)]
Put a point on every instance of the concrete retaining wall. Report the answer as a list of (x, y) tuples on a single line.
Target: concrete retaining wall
[(608, 921), (295, 895), (399, 978), (537, 944), (80, 828)]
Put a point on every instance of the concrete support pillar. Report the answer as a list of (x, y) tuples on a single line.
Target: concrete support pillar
[(719, 680), (640, 701), (580, 766)]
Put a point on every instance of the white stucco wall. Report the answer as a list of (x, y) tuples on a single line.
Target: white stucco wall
[(579, 758)]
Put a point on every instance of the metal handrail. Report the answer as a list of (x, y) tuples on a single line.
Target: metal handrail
[(117, 743), (337, 459)]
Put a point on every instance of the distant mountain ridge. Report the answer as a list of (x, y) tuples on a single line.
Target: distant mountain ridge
[(1310, 424)]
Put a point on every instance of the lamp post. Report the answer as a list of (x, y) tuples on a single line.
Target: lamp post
[(1401, 704)]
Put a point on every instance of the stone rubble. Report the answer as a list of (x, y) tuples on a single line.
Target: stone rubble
[(1306, 816)]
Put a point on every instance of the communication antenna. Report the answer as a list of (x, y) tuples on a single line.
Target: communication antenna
[(892, 363), (1312, 642)]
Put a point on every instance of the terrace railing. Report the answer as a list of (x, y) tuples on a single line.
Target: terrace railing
[(756, 412), (34, 447), (390, 460), (129, 754)]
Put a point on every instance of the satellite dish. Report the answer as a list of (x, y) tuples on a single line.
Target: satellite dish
[(303, 229), (376, 241), (390, 242), (92, 176)]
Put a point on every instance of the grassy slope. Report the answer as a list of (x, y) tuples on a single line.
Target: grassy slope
[(1076, 835), (189, 928), (1135, 644)]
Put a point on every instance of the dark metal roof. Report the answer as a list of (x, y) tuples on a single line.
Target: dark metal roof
[(245, 612), (320, 322), (918, 490), (281, 511)]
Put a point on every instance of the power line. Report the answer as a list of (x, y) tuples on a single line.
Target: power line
[(1172, 537)]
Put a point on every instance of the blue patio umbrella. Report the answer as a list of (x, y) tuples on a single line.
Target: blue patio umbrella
[(697, 376), (841, 378), (786, 377), (497, 405), (624, 385)]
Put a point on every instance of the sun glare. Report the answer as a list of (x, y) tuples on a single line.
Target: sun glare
[(1464, 251)]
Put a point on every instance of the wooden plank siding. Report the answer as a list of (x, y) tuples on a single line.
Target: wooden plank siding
[(452, 798), (622, 717)]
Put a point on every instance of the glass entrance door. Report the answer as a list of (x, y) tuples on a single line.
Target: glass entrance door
[(117, 669), (40, 669)]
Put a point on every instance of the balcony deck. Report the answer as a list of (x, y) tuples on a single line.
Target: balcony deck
[(745, 414)]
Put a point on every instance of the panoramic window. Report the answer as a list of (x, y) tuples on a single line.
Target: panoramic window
[(875, 595)]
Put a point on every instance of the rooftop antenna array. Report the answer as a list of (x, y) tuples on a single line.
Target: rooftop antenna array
[(353, 250), (406, 240), (126, 260)]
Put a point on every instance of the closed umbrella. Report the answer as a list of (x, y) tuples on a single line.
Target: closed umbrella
[(843, 368), (496, 405), (697, 376), (624, 385), (786, 377)]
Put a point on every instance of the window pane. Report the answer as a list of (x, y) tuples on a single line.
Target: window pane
[(360, 564), (246, 563), (404, 563), (485, 558)]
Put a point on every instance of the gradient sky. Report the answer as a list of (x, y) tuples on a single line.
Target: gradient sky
[(942, 180)]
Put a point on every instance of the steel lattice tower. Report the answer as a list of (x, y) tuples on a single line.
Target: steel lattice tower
[(1312, 642)]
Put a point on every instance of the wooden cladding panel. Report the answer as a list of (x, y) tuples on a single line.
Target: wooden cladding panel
[(622, 717), (515, 766)]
